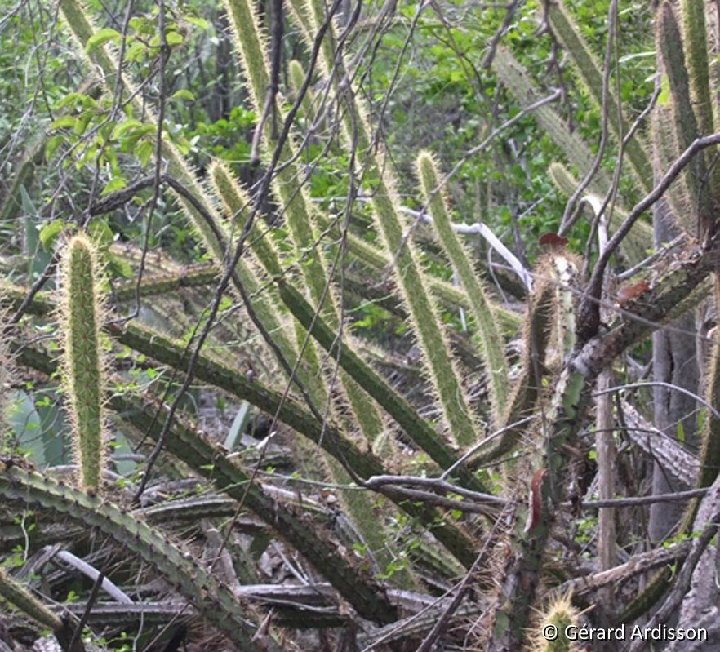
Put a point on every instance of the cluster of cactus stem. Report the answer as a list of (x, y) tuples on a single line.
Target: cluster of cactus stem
[(314, 327)]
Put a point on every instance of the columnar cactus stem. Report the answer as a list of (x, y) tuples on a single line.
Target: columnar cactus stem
[(17, 595), (590, 71), (489, 337), (210, 597), (412, 282), (685, 123), (83, 369), (560, 614)]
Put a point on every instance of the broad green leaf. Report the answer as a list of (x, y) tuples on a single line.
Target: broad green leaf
[(124, 127), (65, 122), (198, 22), (116, 183), (144, 152), (101, 37), (50, 232), (136, 51), (174, 38), (183, 94)]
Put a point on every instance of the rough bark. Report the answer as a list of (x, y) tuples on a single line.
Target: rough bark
[(675, 362)]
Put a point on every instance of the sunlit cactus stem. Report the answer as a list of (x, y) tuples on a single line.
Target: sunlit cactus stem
[(552, 634), (488, 334), (81, 308)]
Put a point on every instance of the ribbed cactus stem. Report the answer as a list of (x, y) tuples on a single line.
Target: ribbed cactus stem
[(685, 123), (82, 28), (590, 71), (527, 388), (517, 80), (412, 282), (80, 319), (558, 616), (296, 75), (710, 436), (696, 53), (210, 597), (237, 203), (488, 333), (252, 48), (21, 598)]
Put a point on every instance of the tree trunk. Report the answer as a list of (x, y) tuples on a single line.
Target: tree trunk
[(674, 362)]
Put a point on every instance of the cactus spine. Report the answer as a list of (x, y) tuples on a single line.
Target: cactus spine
[(81, 310)]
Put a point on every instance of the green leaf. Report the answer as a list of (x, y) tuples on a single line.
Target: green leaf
[(119, 266), (136, 51), (125, 126), (144, 152), (198, 22), (52, 144), (101, 37), (50, 232), (182, 145), (67, 121), (117, 183), (142, 25), (174, 38), (101, 232), (182, 94)]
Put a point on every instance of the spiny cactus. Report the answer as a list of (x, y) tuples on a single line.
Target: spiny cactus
[(296, 76), (412, 281), (550, 633), (685, 61), (21, 598), (518, 82), (213, 599), (590, 71), (551, 324), (685, 122), (81, 315), (488, 335)]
